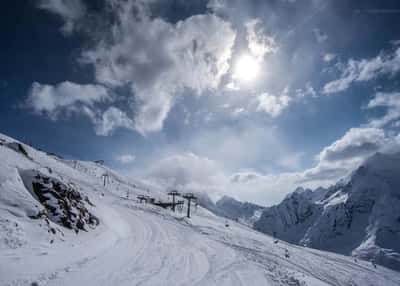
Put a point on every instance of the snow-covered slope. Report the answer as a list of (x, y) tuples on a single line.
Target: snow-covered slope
[(243, 212), (359, 216), (290, 219), (141, 244)]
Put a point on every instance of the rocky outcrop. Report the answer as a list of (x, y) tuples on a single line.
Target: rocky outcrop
[(63, 203)]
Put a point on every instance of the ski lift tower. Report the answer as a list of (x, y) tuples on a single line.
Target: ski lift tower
[(105, 179), (141, 198), (173, 193), (189, 197)]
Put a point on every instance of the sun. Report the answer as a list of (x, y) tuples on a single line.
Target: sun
[(247, 68)]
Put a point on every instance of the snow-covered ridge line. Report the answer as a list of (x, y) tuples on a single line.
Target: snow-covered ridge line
[(138, 244), (359, 216)]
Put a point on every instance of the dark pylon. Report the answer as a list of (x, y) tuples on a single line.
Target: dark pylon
[(106, 179), (189, 197), (173, 193)]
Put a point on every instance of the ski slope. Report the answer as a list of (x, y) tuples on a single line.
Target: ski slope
[(140, 244)]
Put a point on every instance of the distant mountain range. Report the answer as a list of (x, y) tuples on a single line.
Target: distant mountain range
[(244, 212), (359, 216)]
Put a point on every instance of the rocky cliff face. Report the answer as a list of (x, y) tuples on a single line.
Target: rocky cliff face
[(62, 203), (234, 209), (359, 217), (291, 218), (231, 208)]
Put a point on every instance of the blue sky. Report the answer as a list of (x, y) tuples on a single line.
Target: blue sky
[(248, 98)]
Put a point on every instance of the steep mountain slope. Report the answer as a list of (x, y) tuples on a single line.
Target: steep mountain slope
[(139, 244), (360, 216), (244, 212), (291, 218)]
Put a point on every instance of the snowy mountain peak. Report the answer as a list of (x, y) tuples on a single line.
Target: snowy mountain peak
[(358, 216)]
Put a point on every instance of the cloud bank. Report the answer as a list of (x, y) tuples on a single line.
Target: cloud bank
[(159, 60), (386, 63), (191, 172), (71, 12), (66, 96), (84, 99)]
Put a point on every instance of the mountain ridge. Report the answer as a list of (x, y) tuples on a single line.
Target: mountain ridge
[(360, 217)]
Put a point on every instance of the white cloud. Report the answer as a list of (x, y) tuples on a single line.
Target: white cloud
[(237, 112), (190, 172), (66, 96), (391, 101), (244, 177), (308, 90), (155, 60), (232, 86), (365, 70), (356, 143), (259, 43), (265, 189), (272, 104), (244, 146), (345, 154), (333, 162), (69, 10), (110, 120), (159, 60), (328, 57), (320, 36), (187, 170), (125, 158)]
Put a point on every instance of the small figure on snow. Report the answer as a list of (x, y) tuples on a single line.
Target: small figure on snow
[(287, 255), (373, 263)]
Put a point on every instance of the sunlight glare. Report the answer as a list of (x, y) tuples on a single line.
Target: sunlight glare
[(247, 68)]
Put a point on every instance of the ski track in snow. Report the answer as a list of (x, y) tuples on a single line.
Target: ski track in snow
[(140, 246), (149, 250)]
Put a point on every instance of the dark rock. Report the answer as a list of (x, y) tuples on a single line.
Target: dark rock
[(17, 147), (63, 203)]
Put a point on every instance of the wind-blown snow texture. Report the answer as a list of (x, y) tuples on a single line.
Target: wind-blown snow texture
[(138, 244), (360, 216)]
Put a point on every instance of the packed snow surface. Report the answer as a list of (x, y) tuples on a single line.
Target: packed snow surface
[(141, 244)]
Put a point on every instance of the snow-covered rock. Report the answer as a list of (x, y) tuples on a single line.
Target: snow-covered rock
[(359, 216), (63, 203)]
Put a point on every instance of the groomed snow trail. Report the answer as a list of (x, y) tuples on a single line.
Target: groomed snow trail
[(142, 245)]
